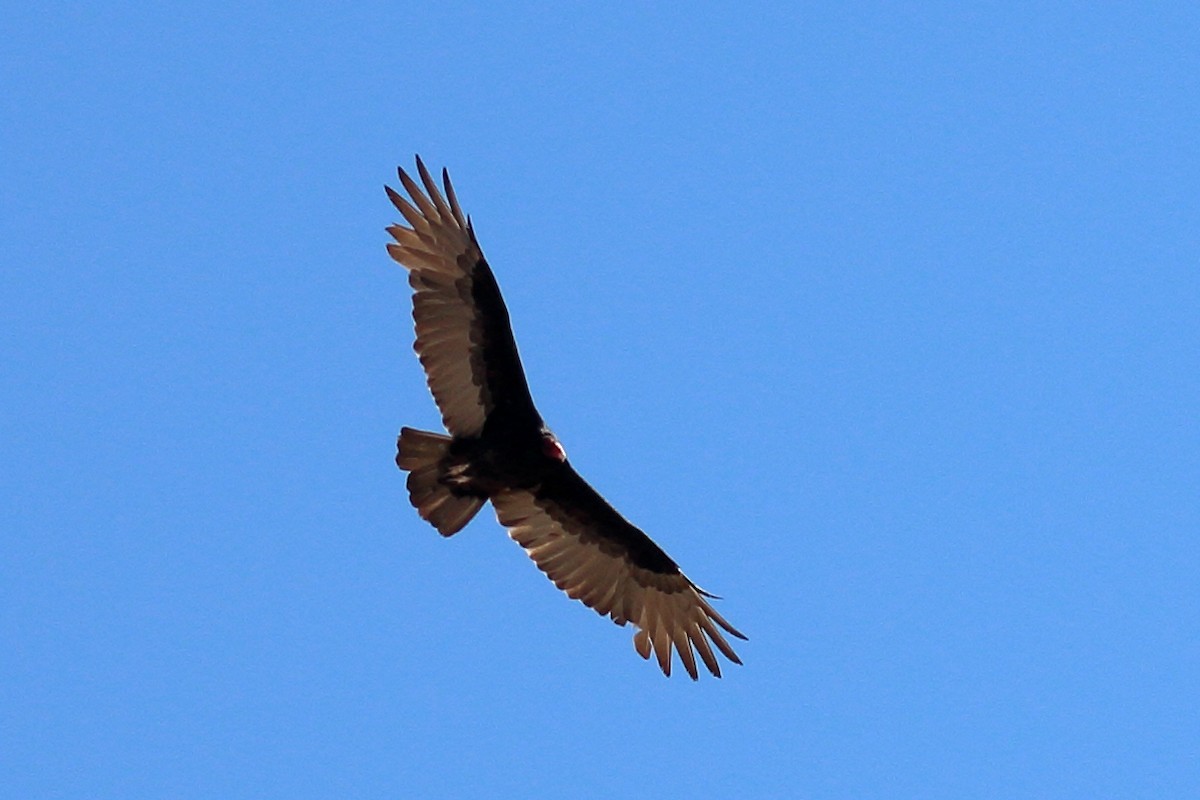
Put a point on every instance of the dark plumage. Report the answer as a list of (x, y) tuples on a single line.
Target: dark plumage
[(499, 448)]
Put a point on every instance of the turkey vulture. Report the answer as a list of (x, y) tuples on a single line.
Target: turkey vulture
[(499, 448)]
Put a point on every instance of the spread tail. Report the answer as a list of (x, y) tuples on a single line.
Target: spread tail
[(423, 456)]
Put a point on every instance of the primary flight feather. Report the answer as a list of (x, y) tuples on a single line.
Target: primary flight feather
[(499, 449)]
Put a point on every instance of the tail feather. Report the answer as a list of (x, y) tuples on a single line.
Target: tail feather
[(422, 454)]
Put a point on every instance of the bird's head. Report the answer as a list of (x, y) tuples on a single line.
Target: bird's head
[(552, 447)]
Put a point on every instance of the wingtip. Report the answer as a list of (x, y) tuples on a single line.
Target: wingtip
[(641, 643), (426, 178)]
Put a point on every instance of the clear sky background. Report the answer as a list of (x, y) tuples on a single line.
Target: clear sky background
[(883, 321)]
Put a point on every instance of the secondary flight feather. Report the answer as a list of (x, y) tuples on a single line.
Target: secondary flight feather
[(499, 448)]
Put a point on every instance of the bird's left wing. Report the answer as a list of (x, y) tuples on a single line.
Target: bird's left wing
[(464, 337), (597, 557)]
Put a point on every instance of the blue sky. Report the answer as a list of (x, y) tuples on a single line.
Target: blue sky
[(882, 321)]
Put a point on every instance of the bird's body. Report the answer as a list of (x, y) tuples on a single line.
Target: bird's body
[(499, 448)]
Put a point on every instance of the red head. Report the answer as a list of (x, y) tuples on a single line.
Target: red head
[(551, 447)]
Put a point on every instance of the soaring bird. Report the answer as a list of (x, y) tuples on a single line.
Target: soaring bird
[(499, 449)]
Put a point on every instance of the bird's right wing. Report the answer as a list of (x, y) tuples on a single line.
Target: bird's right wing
[(598, 557), (464, 337)]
